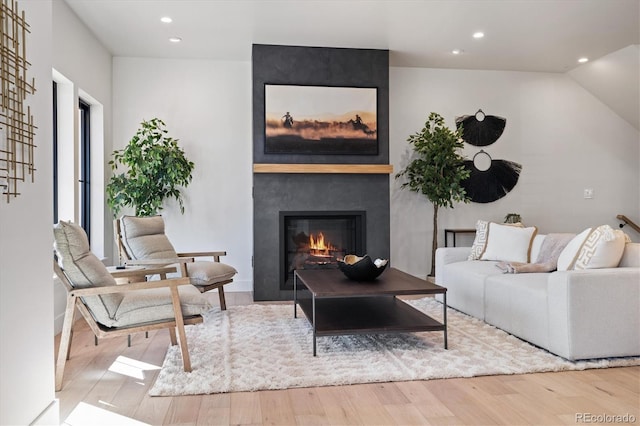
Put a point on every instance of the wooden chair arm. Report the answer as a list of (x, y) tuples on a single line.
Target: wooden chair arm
[(215, 254), (168, 261), (123, 288)]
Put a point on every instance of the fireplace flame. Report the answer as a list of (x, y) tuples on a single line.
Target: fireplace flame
[(318, 246)]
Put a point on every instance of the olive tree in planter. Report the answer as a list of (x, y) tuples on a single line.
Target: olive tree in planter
[(437, 169), (156, 169)]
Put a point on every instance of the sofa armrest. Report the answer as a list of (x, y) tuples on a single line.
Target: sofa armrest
[(446, 255), (594, 313)]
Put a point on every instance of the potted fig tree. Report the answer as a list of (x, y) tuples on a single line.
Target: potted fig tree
[(156, 169), (437, 169)]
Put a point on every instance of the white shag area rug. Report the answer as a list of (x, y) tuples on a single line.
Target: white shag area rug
[(258, 347)]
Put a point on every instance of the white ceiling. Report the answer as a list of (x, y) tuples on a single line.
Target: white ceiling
[(521, 35)]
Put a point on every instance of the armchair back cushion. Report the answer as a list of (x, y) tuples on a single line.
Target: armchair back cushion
[(144, 238), (84, 269)]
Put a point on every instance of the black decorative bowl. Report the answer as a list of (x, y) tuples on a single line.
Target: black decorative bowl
[(362, 268)]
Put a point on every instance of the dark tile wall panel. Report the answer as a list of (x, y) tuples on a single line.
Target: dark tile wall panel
[(273, 193)]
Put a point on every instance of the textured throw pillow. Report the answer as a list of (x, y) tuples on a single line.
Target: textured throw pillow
[(482, 226), (603, 248), (507, 243), (567, 258)]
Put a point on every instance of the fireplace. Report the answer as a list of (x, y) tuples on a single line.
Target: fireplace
[(317, 240)]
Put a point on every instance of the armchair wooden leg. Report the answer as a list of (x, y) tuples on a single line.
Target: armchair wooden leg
[(70, 343), (172, 336), (182, 337), (223, 303), (65, 340)]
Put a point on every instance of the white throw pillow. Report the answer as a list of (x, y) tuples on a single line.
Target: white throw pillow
[(567, 258), (509, 243), (480, 241), (602, 249)]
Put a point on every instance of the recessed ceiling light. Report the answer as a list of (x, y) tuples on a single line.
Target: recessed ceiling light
[(583, 60), (456, 51), (166, 19), (478, 34), (175, 39)]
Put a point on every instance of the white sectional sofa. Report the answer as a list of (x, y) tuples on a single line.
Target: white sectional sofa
[(576, 314)]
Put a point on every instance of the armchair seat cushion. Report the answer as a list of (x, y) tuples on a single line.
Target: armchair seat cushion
[(205, 273), (155, 304)]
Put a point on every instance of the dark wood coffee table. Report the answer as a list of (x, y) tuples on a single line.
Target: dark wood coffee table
[(339, 306)]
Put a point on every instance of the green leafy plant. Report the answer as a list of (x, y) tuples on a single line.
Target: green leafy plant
[(437, 169), (156, 169)]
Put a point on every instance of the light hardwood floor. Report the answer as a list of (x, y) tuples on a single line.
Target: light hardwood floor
[(104, 385)]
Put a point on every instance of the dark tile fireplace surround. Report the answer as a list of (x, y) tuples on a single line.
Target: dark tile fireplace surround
[(279, 194)]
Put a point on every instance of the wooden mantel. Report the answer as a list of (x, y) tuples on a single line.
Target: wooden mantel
[(324, 168)]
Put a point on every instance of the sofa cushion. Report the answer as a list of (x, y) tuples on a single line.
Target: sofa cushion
[(536, 245), (465, 284), (509, 243), (84, 269), (518, 304), (631, 256), (204, 272), (144, 238)]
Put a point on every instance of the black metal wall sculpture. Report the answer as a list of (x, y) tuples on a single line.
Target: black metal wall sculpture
[(490, 179)]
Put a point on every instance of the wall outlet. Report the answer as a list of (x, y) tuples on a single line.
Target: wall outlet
[(588, 193)]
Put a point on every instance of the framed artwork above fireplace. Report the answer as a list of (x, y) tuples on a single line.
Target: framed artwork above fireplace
[(320, 120)]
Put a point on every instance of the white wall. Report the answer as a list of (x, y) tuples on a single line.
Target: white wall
[(86, 66), (614, 79), (82, 69), (207, 106), (26, 293), (565, 139)]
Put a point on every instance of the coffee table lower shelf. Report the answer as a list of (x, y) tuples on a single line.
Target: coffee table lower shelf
[(365, 315)]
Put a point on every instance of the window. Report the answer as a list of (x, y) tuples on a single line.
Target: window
[(55, 152), (85, 165), (79, 163)]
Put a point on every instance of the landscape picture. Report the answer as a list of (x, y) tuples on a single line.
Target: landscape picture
[(320, 120)]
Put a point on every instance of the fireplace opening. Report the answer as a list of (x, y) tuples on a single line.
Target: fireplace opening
[(317, 240)]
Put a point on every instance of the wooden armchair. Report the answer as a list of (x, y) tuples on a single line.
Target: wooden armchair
[(142, 241), (117, 310)]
